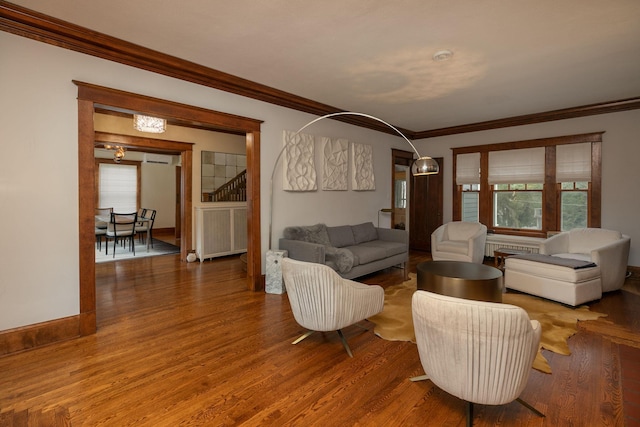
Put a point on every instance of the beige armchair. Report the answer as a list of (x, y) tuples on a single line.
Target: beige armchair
[(459, 241), (608, 249), (323, 301), (481, 352)]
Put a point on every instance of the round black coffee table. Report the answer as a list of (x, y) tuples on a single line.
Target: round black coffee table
[(461, 279)]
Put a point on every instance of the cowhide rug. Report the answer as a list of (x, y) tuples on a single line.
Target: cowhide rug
[(559, 322)]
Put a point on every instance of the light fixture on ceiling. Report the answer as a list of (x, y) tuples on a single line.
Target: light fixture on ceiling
[(442, 55), (149, 124), (421, 166), (118, 154)]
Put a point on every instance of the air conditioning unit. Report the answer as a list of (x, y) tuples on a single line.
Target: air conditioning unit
[(161, 159)]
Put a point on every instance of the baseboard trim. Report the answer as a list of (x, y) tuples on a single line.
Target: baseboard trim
[(38, 335)]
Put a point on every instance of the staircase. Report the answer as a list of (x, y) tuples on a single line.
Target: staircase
[(234, 190)]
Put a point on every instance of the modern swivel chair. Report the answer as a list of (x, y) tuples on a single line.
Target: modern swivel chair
[(121, 226), (323, 301), (459, 241), (480, 352)]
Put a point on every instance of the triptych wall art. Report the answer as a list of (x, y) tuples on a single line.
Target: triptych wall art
[(299, 170)]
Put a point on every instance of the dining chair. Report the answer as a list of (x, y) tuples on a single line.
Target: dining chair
[(122, 226), (103, 214), (145, 228)]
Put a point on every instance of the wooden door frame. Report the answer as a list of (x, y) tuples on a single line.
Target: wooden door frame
[(403, 158), (89, 96)]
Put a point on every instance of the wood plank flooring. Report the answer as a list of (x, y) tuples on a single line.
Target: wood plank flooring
[(186, 344)]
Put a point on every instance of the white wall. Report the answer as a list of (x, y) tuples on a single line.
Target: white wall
[(39, 181), (620, 171), (39, 185)]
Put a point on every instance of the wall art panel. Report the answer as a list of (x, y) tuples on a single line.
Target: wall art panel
[(362, 167), (299, 173), (336, 164)]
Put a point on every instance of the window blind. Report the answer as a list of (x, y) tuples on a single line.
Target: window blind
[(573, 162), (468, 168), (523, 166), (118, 187)]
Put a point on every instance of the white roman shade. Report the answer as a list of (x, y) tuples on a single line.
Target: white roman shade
[(118, 187), (523, 166), (468, 168), (573, 162)]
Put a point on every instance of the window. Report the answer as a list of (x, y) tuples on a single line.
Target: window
[(517, 206), (468, 178), (573, 174), (530, 187), (574, 197), (471, 202), (118, 186), (517, 178)]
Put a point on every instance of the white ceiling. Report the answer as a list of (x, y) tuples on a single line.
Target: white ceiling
[(375, 56)]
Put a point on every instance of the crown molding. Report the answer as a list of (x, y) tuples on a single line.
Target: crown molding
[(25, 22)]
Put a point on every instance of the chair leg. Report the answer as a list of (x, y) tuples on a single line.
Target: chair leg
[(344, 343), (531, 408), (469, 414), (305, 335), (419, 378)]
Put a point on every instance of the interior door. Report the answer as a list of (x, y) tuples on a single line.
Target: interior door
[(425, 208)]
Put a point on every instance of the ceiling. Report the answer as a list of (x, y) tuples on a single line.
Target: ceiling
[(510, 58)]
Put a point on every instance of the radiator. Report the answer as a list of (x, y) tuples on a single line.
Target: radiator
[(221, 230), (495, 241)]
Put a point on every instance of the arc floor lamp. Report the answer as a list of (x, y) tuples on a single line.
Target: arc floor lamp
[(423, 165)]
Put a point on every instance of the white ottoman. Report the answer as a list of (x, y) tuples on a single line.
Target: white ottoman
[(572, 286)]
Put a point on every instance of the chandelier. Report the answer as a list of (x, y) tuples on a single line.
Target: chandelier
[(149, 124)]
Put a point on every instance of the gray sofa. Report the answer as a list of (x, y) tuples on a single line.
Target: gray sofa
[(351, 250)]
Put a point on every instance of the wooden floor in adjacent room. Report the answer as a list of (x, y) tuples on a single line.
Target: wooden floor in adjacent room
[(186, 344)]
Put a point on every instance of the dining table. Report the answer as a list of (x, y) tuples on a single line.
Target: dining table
[(139, 220)]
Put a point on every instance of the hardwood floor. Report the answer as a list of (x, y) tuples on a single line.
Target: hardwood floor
[(186, 344)]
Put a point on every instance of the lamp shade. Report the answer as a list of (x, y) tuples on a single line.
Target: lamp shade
[(425, 166)]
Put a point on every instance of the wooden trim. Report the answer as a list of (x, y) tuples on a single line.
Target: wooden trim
[(549, 193), (531, 143), (28, 23), (256, 280), (39, 334), (86, 225), (88, 96), (528, 119)]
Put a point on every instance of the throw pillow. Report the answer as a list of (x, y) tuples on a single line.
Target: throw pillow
[(311, 233), (365, 232), (341, 236), (341, 258)]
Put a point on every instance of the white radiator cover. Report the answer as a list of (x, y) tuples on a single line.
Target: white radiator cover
[(495, 241), (221, 230)]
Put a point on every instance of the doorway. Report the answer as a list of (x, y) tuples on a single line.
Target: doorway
[(426, 208), (91, 97), (425, 200)]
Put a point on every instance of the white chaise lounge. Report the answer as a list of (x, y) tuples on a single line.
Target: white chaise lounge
[(573, 267)]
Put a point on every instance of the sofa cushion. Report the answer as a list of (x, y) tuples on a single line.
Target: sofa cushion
[(364, 232), (454, 246), (308, 233), (549, 271), (366, 254), (339, 259), (584, 240), (341, 236), (390, 248)]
